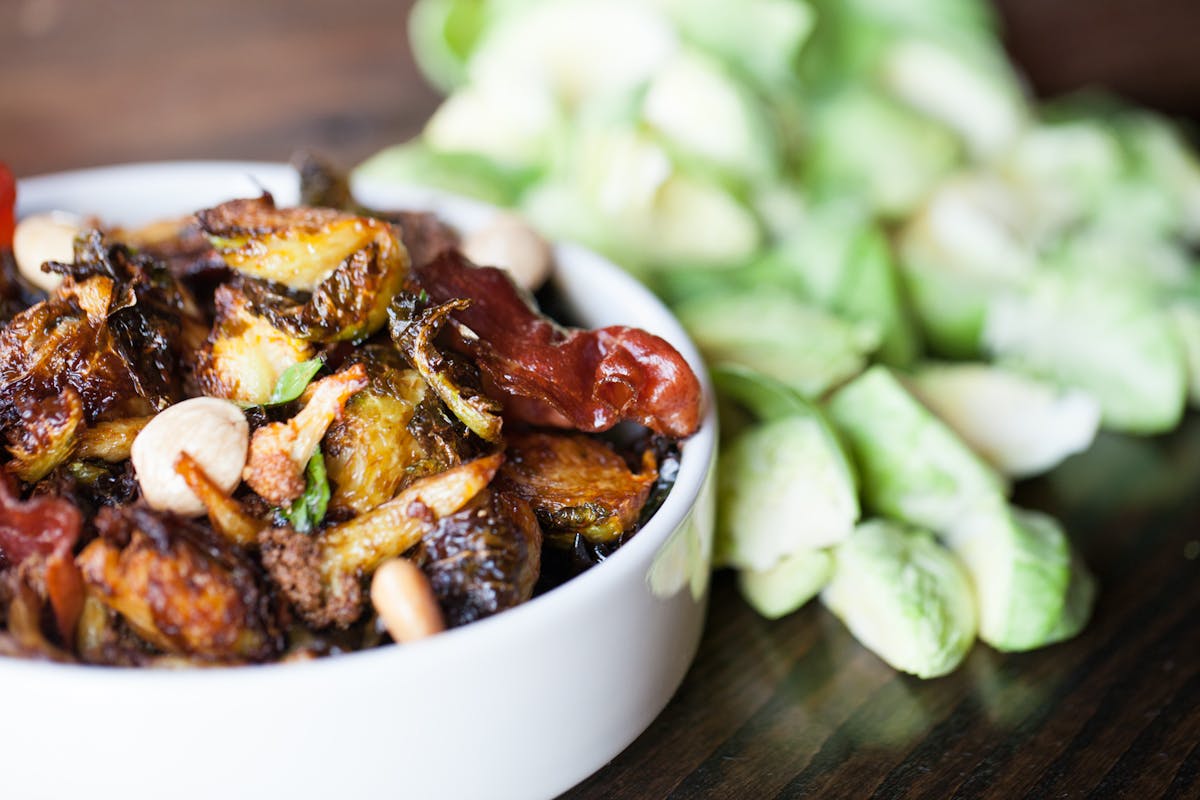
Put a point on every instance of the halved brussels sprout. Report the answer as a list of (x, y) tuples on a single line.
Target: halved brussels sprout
[(787, 585), (865, 145), (785, 484), (352, 266), (779, 335), (245, 354), (912, 467), (178, 587), (1021, 565), (904, 597), (370, 453), (1022, 426), (576, 484), (1103, 333)]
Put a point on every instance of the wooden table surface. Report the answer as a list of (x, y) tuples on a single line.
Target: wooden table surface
[(793, 708)]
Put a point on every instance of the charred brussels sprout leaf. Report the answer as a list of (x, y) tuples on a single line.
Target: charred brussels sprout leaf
[(48, 434), (308, 511), (111, 333), (293, 381), (451, 380)]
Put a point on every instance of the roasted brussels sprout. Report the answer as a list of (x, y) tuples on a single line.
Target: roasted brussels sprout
[(422, 233), (245, 354), (483, 558), (47, 434), (370, 452), (331, 274), (576, 485), (104, 344), (321, 576), (179, 587)]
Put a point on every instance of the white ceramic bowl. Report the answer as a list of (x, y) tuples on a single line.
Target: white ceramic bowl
[(522, 705)]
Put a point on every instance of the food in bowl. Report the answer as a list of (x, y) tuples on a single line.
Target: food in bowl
[(264, 433)]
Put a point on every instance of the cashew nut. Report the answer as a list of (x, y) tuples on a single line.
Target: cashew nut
[(213, 432), (508, 242), (45, 237), (404, 601)]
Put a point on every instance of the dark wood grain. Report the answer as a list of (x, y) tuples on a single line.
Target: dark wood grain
[(793, 708)]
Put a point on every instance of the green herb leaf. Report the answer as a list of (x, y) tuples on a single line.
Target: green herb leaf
[(308, 510), (294, 380)]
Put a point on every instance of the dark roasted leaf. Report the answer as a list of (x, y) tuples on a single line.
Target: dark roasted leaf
[(483, 558), (414, 336)]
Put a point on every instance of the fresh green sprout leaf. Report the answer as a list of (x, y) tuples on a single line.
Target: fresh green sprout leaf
[(294, 380), (308, 510)]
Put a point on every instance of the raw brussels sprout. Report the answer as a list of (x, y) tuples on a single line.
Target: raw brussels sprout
[(785, 483), (467, 174), (1022, 426), (509, 123), (958, 254), (704, 114), (1186, 320), (576, 49), (444, 34), (779, 335), (625, 196), (783, 487), (843, 263), (913, 468), (864, 144), (761, 38), (1103, 333), (1021, 565), (793, 580), (904, 597), (963, 83), (1166, 161), (1077, 608), (1064, 170)]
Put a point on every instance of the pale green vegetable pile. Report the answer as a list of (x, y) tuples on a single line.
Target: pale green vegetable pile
[(918, 283)]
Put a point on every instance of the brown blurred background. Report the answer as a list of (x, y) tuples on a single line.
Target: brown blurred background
[(148, 79)]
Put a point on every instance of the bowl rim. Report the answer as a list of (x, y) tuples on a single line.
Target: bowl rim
[(584, 591)]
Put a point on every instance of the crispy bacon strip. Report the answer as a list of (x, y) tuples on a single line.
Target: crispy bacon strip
[(48, 527), (42, 525), (563, 377)]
